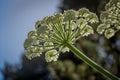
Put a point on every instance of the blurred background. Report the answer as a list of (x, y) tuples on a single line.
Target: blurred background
[(18, 17)]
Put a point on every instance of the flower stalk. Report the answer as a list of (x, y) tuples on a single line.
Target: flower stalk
[(91, 62)]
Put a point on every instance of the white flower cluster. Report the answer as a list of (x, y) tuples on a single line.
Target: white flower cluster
[(53, 32), (110, 19)]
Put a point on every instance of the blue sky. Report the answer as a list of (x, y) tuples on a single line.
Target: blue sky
[(17, 18)]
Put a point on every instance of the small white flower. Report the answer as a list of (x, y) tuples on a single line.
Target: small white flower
[(73, 25), (117, 26), (37, 24), (51, 55), (43, 37), (87, 30), (92, 18), (35, 42), (48, 45), (66, 49), (101, 28), (32, 34), (33, 52), (83, 12), (109, 33), (32, 55), (28, 43), (42, 29), (70, 15), (81, 23), (118, 4)]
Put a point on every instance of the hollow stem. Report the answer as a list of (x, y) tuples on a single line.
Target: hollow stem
[(91, 62)]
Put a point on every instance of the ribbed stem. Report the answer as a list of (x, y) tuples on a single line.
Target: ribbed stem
[(91, 62)]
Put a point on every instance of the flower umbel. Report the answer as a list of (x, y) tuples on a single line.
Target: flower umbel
[(53, 32), (110, 19)]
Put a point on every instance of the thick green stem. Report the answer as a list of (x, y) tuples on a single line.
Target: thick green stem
[(91, 62)]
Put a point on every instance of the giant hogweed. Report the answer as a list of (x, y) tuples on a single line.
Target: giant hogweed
[(56, 34)]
